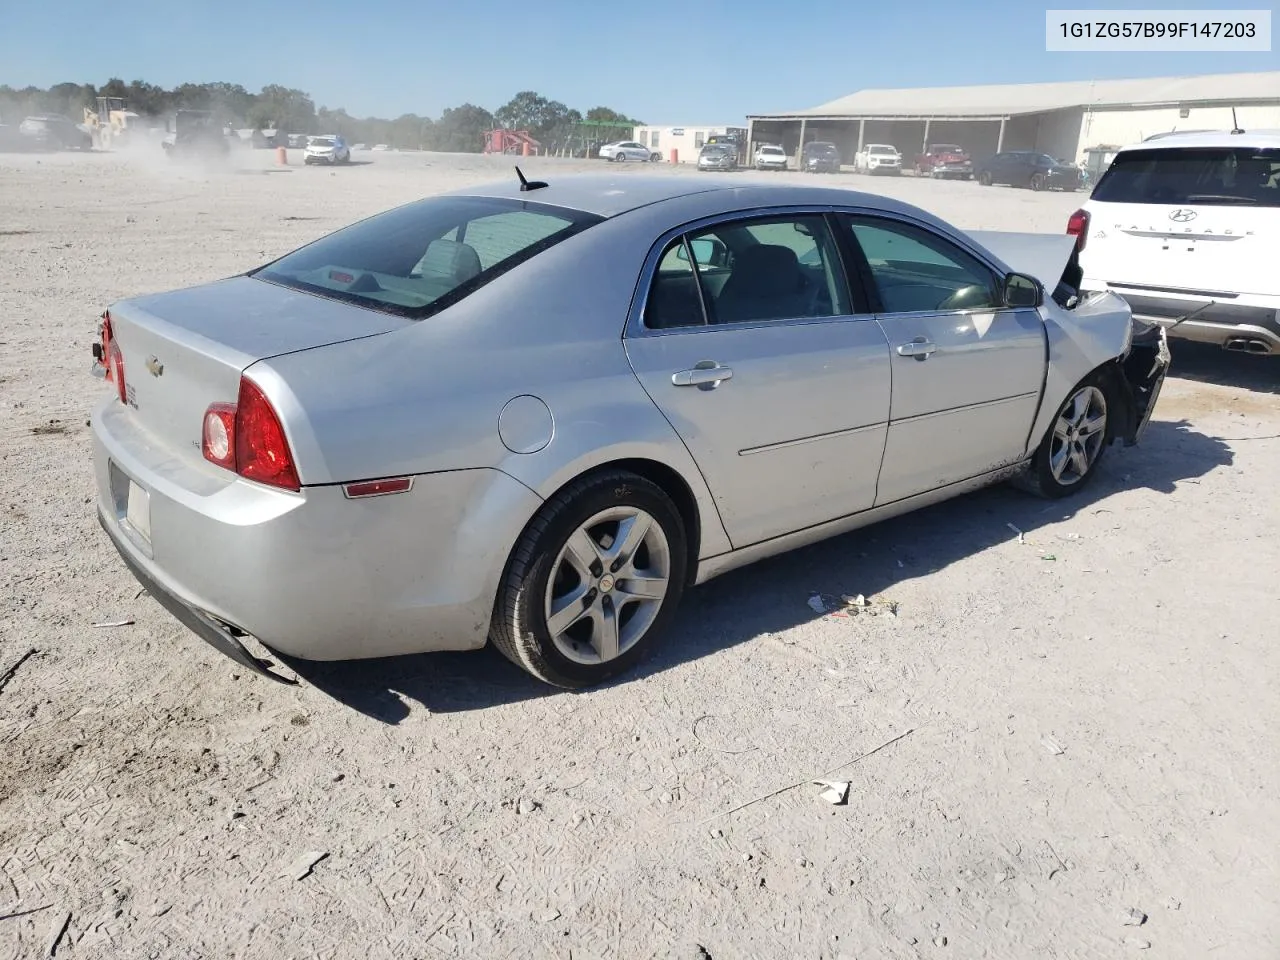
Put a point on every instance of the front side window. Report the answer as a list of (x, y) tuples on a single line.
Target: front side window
[(1222, 176), (915, 270), (748, 271), (420, 258)]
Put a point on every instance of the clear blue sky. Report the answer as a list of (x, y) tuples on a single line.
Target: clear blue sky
[(662, 61)]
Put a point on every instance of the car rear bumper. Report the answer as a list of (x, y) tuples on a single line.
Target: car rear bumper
[(1248, 323), (312, 574)]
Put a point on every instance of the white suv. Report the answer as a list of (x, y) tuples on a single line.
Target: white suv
[(1186, 228), (771, 157)]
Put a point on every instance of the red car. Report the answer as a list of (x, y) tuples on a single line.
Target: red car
[(944, 160)]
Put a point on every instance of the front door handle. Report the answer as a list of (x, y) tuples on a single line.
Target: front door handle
[(920, 348), (705, 374)]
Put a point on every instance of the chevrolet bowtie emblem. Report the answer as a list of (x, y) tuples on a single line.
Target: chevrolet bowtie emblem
[(154, 366)]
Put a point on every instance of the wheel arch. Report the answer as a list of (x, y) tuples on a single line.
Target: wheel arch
[(672, 482)]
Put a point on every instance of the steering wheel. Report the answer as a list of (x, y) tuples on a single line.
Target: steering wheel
[(970, 297)]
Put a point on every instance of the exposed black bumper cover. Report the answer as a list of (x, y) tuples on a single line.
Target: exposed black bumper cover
[(1141, 378), (206, 628)]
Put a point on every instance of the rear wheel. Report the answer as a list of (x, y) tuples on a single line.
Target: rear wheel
[(619, 157), (984, 178), (1068, 457), (595, 578), (1037, 181)]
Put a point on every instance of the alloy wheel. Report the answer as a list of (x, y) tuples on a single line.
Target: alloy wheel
[(607, 585), (1078, 436)]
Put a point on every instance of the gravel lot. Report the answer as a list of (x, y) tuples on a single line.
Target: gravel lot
[(156, 801)]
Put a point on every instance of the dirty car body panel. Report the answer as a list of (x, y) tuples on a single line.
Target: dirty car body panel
[(428, 383)]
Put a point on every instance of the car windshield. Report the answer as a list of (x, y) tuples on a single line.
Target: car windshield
[(770, 149), (821, 149), (713, 150), (886, 151), (1240, 176), (947, 148), (322, 141), (418, 259)]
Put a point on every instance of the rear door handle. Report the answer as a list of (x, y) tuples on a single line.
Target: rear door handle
[(920, 348), (706, 373)]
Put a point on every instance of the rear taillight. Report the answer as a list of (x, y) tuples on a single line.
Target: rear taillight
[(247, 437), (1078, 227), (218, 437), (107, 354)]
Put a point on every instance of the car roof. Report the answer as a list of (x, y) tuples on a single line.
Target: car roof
[(1210, 139), (608, 195)]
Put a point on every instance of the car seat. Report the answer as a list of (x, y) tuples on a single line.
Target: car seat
[(766, 284)]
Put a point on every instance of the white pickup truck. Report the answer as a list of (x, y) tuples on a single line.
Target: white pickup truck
[(878, 158)]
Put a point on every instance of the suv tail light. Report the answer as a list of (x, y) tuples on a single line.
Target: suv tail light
[(1078, 227), (247, 437)]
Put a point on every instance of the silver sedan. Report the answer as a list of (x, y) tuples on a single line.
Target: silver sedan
[(537, 413)]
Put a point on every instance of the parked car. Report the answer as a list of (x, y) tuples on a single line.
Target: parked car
[(330, 149), (820, 156), (770, 156), (54, 132), (625, 150), (1184, 228), (333, 475), (1028, 168), (718, 156), (878, 158), (360, 146), (945, 161)]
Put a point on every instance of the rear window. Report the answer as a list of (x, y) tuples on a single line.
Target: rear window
[(418, 259), (1223, 176)]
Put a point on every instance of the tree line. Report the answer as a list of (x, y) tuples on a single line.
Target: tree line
[(458, 129)]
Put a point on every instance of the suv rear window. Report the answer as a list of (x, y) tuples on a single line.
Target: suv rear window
[(1240, 176), (418, 259)]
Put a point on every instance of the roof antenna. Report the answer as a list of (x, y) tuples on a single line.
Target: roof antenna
[(1235, 127), (528, 184)]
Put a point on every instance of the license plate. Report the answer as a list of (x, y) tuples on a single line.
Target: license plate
[(138, 511)]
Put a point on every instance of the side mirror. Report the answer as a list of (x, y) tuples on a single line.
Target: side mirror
[(1021, 290)]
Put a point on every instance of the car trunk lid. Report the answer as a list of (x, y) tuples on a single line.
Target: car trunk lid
[(185, 350)]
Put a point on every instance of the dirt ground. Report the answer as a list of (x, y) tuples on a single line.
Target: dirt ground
[(1087, 722)]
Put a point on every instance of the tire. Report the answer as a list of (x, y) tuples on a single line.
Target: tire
[(619, 157), (984, 179), (1037, 182), (543, 568), (1044, 477)]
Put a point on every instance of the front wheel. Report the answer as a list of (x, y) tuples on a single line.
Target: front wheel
[(1037, 181), (594, 579), (1068, 457)]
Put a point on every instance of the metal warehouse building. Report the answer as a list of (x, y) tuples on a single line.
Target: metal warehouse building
[(1064, 120)]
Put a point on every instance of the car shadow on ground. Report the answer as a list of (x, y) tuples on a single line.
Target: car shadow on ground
[(771, 596), (1205, 363)]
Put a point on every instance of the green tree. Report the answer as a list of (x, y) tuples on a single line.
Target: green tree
[(462, 129)]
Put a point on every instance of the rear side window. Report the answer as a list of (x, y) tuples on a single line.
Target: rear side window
[(418, 259), (1203, 176)]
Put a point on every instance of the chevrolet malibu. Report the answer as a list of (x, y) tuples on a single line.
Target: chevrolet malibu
[(537, 413)]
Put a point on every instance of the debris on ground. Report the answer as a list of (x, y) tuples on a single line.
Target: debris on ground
[(1022, 537), (1138, 943), (56, 933), (1053, 746), (1048, 556), (1133, 917), (939, 941), (858, 601), (547, 916), (526, 805), (303, 865), (128, 622), (9, 673), (799, 783), (1173, 903), (816, 604), (836, 792), (848, 606)]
